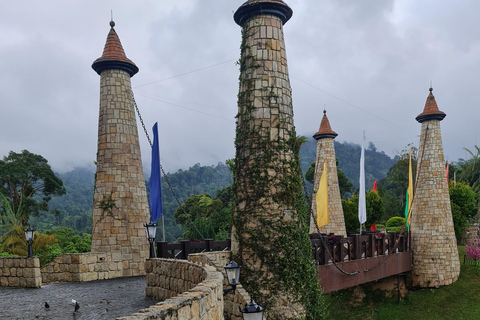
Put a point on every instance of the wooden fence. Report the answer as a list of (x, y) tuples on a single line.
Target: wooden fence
[(356, 246)]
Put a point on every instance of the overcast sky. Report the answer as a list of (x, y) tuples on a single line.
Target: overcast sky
[(369, 62)]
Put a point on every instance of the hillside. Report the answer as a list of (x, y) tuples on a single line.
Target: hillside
[(75, 207), (377, 163)]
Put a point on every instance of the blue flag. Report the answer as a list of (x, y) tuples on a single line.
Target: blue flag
[(155, 183)]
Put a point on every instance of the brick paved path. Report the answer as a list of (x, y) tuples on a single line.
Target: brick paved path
[(103, 299)]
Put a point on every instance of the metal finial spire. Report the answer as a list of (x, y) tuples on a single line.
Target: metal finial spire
[(324, 110), (431, 87), (112, 23)]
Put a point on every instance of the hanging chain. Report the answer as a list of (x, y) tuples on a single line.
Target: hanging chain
[(310, 209), (163, 172)]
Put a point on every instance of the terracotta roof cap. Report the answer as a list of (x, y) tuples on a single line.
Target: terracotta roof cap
[(252, 8), (113, 56), (431, 111), (325, 130)]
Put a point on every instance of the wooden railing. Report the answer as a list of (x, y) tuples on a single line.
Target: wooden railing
[(356, 246), (353, 247), (185, 247)]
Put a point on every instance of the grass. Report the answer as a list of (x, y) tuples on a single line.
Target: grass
[(460, 300)]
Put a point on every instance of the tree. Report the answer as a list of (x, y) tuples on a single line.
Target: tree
[(28, 176), (374, 206), (346, 187), (463, 201), (470, 170), (209, 216)]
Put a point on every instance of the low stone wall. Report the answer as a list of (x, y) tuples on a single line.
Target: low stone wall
[(471, 232), (20, 272), (194, 292), (231, 302), (82, 267)]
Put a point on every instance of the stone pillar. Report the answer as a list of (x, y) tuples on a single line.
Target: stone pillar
[(120, 199), (435, 254), (326, 153), (269, 207)]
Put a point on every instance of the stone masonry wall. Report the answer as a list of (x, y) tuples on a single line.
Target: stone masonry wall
[(326, 152), (20, 272), (120, 199), (83, 267), (192, 291), (435, 254), (231, 302)]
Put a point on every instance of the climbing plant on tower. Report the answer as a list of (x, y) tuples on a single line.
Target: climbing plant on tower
[(270, 216)]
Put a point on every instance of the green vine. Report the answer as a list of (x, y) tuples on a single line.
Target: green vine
[(107, 204), (271, 218)]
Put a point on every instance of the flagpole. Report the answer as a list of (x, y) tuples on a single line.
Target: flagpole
[(362, 210), (163, 227)]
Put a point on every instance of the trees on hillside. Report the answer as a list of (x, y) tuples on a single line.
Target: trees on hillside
[(207, 217), (28, 183)]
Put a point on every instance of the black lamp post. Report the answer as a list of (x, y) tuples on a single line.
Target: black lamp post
[(29, 234), (252, 311), (233, 276), (151, 229)]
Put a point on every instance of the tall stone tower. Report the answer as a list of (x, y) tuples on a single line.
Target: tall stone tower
[(270, 220), (120, 200), (326, 153), (435, 254)]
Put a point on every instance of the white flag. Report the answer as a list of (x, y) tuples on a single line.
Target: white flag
[(362, 206)]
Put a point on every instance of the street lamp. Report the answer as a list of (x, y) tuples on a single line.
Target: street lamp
[(151, 229), (233, 276), (252, 311), (29, 234)]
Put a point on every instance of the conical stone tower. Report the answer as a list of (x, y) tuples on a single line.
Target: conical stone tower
[(326, 153), (435, 254), (120, 199), (270, 220)]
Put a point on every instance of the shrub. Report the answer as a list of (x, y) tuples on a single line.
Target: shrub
[(395, 222), (472, 250)]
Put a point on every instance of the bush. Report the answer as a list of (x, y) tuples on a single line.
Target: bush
[(379, 226), (395, 222), (463, 201)]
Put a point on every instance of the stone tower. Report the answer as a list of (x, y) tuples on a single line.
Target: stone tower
[(326, 153), (269, 206), (435, 254), (120, 200)]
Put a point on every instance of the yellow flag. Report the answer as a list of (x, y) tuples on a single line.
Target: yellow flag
[(410, 186), (321, 199)]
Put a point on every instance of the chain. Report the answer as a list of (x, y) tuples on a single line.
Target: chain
[(163, 172), (309, 206)]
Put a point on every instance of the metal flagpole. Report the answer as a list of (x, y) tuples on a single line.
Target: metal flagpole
[(163, 227)]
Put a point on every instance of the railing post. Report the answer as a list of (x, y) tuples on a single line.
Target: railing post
[(209, 245), (186, 249), (162, 251), (357, 245)]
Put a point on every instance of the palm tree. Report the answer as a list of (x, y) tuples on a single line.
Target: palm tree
[(470, 170), (13, 240)]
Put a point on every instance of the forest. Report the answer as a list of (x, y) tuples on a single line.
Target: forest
[(202, 203)]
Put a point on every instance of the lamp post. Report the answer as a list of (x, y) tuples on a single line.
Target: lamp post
[(151, 229), (233, 276), (29, 234), (252, 311)]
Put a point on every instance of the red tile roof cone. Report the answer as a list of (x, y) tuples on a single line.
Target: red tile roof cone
[(113, 56), (430, 112), (253, 8), (325, 130)]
